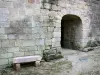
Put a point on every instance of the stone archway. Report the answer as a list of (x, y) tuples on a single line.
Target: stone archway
[(71, 32)]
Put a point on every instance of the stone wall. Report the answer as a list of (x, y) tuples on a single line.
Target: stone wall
[(28, 27)]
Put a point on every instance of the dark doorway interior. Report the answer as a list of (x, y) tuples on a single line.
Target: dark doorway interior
[(71, 32)]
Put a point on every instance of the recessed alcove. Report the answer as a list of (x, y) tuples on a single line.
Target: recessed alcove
[(71, 32)]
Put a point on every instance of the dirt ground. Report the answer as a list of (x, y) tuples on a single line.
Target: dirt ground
[(73, 63)]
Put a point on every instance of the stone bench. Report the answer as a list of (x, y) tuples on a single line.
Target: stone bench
[(18, 60)]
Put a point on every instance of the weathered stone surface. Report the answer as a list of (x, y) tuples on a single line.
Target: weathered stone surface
[(3, 36), (29, 53), (28, 28), (39, 52), (13, 49), (4, 24), (3, 61), (2, 30), (6, 4), (39, 41), (0, 44), (10, 61), (47, 6), (57, 29), (4, 11), (3, 50), (51, 54), (56, 44), (57, 34), (28, 42), (48, 42), (47, 47), (12, 36), (18, 43), (50, 29), (18, 54), (56, 39), (8, 43), (41, 47), (31, 48), (87, 49)]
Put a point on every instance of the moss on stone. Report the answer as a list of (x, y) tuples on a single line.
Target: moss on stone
[(51, 55), (93, 43)]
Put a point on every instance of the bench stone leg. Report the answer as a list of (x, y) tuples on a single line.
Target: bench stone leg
[(37, 63), (17, 67)]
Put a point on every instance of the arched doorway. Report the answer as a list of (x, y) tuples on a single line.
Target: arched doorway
[(71, 32)]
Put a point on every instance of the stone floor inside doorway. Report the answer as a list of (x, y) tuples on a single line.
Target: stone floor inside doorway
[(73, 63)]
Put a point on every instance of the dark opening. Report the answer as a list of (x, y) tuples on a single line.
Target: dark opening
[(71, 32)]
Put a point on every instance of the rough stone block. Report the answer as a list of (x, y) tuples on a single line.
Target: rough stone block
[(3, 17), (48, 41), (38, 52), (57, 34), (3, 36), (6, 55), (3, 50), (57, 24), (37, 63), (15, 30), (34, 30), (17, 67), (0, 44), (41, 47), (4, 11), (51, 54), (87, 49), (56, 44), (3, 61), (29, 11), (64, 3), (29, 53), (36, 36), (10, 61), (13, 49), (47, 47), (25, 37), (9, 30), (6, 4), (48, 35), (44, 18), (50, 29), (40, 42), (8, 43), (12, 36), (4, 24), (10, 55), (46, 6), (57, 29), (44, 29), (28, 30), (18, 43), (8, 0), (55, 7), (32, 48), (18, 54), (43, 12), (18, 4), (28, 42), (56, 39), (2, 30)]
